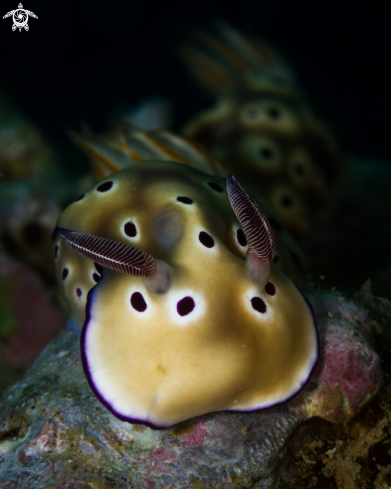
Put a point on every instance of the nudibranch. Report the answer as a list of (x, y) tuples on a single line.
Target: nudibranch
[(125, 145), (262, 128), (170, 273)]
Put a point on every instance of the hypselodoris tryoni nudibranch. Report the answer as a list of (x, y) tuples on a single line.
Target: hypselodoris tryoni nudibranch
[(186, 312)]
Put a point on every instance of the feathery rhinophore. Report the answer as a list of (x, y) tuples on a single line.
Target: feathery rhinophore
[(256, 227), (108, 253)]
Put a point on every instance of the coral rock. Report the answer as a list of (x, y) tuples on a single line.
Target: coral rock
[(348, 374), (55, 433)]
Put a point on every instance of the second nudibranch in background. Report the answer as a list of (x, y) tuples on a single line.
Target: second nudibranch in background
[(169, 272), (262, 127)]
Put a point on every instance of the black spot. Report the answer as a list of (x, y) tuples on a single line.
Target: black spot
[(266, 153), (184, 200), (274, 113), (206, 239), (276, 259), (185, 306), (215, 186), (299, 169), (56, 248), (96, 277), (33, 233), (270, 288), (80, 197), (138, 302), (65, 273), (274, 223), (130, 229), (286, 201), (258, 304), (79, 292), (241, 237), (296, 259), (99, 268), (104, 187)]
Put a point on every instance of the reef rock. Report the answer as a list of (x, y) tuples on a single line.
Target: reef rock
[(55, 433), (348, 374)]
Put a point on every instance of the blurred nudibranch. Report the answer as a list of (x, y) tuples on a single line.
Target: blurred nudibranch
[(261, 126), (169, 273)]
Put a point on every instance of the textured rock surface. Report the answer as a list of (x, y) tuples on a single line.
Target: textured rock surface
[(353, 455), (53, 429), (348, 374), (54, 433)]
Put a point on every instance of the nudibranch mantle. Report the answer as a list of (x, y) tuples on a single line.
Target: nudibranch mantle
[(213, 338)]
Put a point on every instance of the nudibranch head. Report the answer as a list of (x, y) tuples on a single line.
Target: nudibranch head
[(186, 312)]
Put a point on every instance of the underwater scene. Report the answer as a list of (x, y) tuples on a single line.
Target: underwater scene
[(195, 286)]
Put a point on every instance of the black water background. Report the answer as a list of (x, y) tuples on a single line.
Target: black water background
[(84, 60)]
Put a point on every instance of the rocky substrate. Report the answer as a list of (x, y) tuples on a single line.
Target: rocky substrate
[(56, 434)]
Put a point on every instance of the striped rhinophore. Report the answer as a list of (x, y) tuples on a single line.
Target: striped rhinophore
[(117, 256), (256, 227)]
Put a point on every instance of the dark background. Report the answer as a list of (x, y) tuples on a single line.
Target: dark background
[(84, 60)]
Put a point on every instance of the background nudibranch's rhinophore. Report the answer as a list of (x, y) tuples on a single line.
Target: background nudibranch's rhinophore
[(183, 310), (261, 127)]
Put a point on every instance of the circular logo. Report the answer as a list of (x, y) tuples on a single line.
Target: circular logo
[(20, 18)]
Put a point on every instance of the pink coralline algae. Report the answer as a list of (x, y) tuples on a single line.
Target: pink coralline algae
[(348, 374), (196, 436), (55, 433)]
